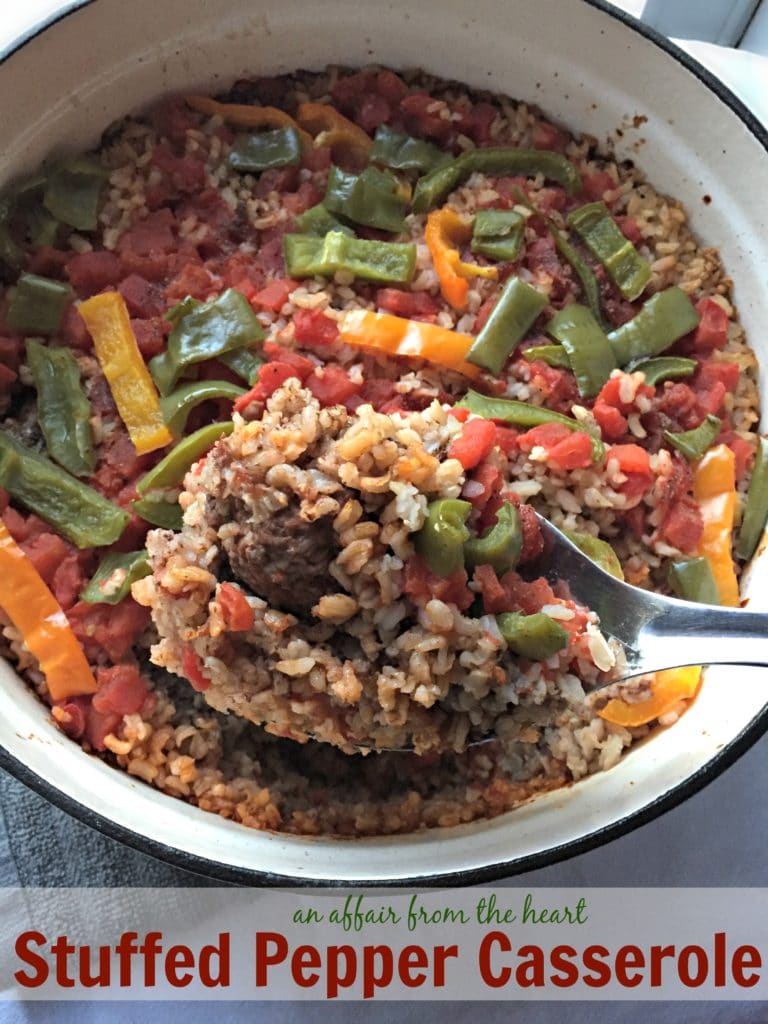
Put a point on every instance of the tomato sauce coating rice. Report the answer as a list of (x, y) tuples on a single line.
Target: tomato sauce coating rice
[(373, 324)]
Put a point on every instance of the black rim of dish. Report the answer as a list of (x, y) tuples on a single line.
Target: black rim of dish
[(470, 876)]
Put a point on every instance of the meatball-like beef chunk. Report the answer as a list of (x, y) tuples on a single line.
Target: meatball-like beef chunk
[(285, 559)]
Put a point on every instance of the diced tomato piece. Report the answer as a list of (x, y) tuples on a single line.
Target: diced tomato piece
[(565, 449), (743, 451), (489, 478), (678, 401), (192, 669), (524, 596), (277, 179), (683, 526), (372, 111), (300, 364), (275, 295), (635, 520), (185, 173), (75, 709), (4, 499), (7, 376), (306, 195), (73, 330), (422, 116), (712, 331), (142, 298), (533, 539), (110, 628), (411, 305), (475, 443), (547, 136), (154, 234), (381, 393), (462, 415), (558, 386), (506, 439), (91, 272), (711, 373), (68, 581), (331, 385), (271, 376), (317, 158), (193, 279), (390, 86), (495, 597), (150, 336), (45, 552), (483, 313), (99, 725), (121, 690), (313, 327), (630, 229), (48, 262), (235, 610), (635, 464), (421, 585), (593, 186)]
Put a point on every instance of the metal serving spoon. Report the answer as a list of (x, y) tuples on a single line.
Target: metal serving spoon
[(656, 632)]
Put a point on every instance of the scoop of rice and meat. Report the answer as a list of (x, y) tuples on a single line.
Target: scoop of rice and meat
[(293, 604)]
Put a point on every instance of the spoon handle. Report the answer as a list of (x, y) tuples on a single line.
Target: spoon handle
[(682, 633)]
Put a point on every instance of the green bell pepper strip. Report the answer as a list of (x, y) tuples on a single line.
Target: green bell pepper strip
[(112, 581), (582, 269), (521, 414), (693, 581), (432, 189), (440, 541), (552, 355), (536, 637), (600, 233), (515, 311), (756, 508), (171, 470), (177, 406), (73, 190), (310, 256), (204, 331), (374, 198), (589, 351), (401, 152), (498, 234), (63, 411), (600, 551), (153, 504), (317, 220), (664, 318), (78, 512), (244, 362), (694, 443), (42, 228), (500, 545), (38, 305), (265, 150), (663, 368), (160, 512)]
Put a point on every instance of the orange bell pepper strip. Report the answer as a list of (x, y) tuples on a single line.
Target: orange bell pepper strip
[(444, 233), (244, 115), (669, 687), (330, 128), (714, 488), (37, 615), (397, 336), (134, 391)]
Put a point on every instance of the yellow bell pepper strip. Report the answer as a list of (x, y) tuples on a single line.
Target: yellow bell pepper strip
[(330, 128), (37, 615), (397, 336), (444, 233), (244, 115), (714, 488), (669, 687), (135, 395)]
